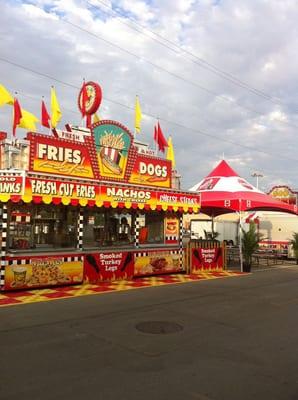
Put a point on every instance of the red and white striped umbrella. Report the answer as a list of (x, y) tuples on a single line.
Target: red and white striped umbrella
[(224, 191)]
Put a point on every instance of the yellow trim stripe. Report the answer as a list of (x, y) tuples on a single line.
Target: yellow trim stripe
[(66, 292)]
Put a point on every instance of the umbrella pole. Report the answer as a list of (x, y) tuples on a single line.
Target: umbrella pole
[(240, 238)]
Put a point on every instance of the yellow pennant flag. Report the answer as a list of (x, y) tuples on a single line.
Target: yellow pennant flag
[(28, 121), (138, 116), (170, 152), (5, 96), (55, 109), (96, 118)]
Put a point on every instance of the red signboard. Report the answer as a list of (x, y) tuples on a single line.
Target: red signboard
[(151, 171), (207, 259), (178, 198), (108, 266), (74, 190), (106, 152), (11, 184), (127, 194), (60, 157), (93, 100)]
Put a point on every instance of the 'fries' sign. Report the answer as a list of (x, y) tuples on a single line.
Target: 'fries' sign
[(57, 153), (60, 157)]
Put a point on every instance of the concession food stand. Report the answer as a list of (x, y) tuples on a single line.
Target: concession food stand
[(87, 205)]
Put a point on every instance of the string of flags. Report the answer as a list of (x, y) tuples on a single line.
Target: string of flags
[(26, 120)]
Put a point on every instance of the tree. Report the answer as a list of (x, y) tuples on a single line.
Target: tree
[(294, 243), (250, 244)]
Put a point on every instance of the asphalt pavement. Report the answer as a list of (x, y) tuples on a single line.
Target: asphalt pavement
[(222, 339)]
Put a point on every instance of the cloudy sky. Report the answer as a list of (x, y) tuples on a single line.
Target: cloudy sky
[(221, 75)]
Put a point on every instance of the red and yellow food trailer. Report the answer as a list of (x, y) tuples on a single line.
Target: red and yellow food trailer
[(87, 205)]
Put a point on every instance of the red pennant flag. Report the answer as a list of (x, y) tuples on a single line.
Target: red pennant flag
[(45, 117), (160, 139), (85, 99), (17, 115)]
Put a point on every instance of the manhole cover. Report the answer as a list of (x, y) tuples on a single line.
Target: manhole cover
[(159, 327)]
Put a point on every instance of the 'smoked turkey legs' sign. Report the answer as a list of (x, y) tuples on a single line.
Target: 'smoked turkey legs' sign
[(207, 259)]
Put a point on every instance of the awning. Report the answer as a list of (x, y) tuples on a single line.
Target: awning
[(39, 190)]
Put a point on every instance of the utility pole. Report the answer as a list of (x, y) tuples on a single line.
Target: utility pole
[(257, 175)]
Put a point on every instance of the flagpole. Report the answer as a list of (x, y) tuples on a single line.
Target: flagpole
[(156, 144), (12, 135), (43, 127), (240, 236), (83, 107), (135, 129), (17, 117), (138, 117), (41, 121)]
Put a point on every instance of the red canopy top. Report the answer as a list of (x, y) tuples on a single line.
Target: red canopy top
[(224, 191), (222, 169)]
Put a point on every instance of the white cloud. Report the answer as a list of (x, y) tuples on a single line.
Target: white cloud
[(258, 129), (33, 12), (278, 115), (269, 66)]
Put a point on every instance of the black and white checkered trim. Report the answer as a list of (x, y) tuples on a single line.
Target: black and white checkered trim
[(21, 218), (80, 229), (27, 261), (137, 230), (3, 244), (142, 254), (181, 240), (172, 238), (11, 172), (19, 262), (73, 258), (147, 253)]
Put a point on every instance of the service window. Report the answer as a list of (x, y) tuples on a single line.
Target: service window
[(38, 226), (107, 227), (151, 227)]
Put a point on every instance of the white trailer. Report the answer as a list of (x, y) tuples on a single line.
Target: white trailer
[(277, 230), (277, 226), (199, 228), (227, 230), (202, 229)]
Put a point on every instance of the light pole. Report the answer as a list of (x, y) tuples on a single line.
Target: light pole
[(257, 175)]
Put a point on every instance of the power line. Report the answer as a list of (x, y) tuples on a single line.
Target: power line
[(199, 61), (36, 98), (166, 71), (226, 99), (199, 131)]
